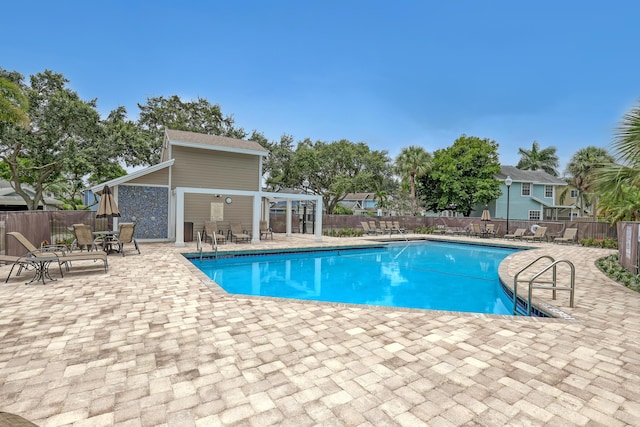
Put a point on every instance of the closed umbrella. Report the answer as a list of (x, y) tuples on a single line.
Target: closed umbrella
[(107, 207), (486, 216)]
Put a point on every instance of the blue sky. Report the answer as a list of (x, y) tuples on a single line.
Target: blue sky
[(387, 73)]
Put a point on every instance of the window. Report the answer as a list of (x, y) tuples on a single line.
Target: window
[(534, 215), (574, 194), (526, 189), (548, 191)]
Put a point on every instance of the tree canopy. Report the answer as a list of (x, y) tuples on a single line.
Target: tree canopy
[(160, 113), (335, 169), (462, 176)]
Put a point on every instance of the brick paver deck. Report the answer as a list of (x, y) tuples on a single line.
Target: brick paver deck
[(153, 342)]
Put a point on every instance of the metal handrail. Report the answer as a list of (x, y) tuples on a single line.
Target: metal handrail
[(199, 245), (553, 282), (214, 245), (515, 280)]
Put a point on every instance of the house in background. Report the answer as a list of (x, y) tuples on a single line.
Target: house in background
[(360, 203), (533, 196), (12, 201), (200, 177)]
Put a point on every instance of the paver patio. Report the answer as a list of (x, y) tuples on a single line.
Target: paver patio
[(153, 342)]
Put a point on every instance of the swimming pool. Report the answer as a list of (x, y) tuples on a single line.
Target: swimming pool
[(425, 275)]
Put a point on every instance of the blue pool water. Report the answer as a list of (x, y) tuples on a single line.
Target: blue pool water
[(426, 275)]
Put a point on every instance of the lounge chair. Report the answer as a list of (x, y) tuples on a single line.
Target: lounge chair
[(125, 235), (516, 234), (396, 226), (84, 238), (238, 234), (540, 233), (211, 228), (62, 256), (265, 230), (18, 261), (366, 228), (569, 236)]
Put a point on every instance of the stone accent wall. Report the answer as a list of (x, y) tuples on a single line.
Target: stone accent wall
[(147, 207)]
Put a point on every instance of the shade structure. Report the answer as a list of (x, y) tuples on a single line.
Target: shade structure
[(107, 207), (486, 216)]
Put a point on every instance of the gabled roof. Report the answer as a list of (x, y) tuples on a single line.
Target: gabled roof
[(536, 177), (359, 196), (212, 142)]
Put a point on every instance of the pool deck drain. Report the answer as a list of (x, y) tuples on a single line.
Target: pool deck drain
[(149, 343)]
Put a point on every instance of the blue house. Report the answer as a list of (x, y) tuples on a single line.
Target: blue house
[(533, 196)]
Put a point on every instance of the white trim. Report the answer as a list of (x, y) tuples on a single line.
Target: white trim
[(205, 146), (180, 193), (133, 184), (132, 175)]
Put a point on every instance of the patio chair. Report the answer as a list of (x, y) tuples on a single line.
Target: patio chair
[(125, 235), (265, 230), (62, 256), (238, 234), (476, 231), (540, 233), (84, 238), (570, 236), (516, 234), (211, 228)]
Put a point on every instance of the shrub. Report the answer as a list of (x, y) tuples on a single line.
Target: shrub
[(607, 242), (611, 268), (344, 232)]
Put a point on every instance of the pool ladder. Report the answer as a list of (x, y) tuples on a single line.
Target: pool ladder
[(214, 246), (536, 283)]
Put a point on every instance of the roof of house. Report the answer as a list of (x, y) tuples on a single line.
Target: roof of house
[(9, 197), (359, 196), (214, 142), (536, 177)]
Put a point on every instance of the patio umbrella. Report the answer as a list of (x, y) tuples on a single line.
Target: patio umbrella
[(107, 207), (486, 216)]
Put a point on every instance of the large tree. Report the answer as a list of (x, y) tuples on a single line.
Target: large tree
[(537, 159), (412, 163), (61, 126), (63, 143), (160, 113), (462, 175), (336, 169)]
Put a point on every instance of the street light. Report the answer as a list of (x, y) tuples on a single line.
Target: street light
[(508, 181), (305, 185)]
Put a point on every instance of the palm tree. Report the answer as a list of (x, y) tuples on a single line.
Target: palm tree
[(537, 159), (582, 170), (412, 163), (620, 183)]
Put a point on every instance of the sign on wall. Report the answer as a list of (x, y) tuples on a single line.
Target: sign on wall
[(217, 211)]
